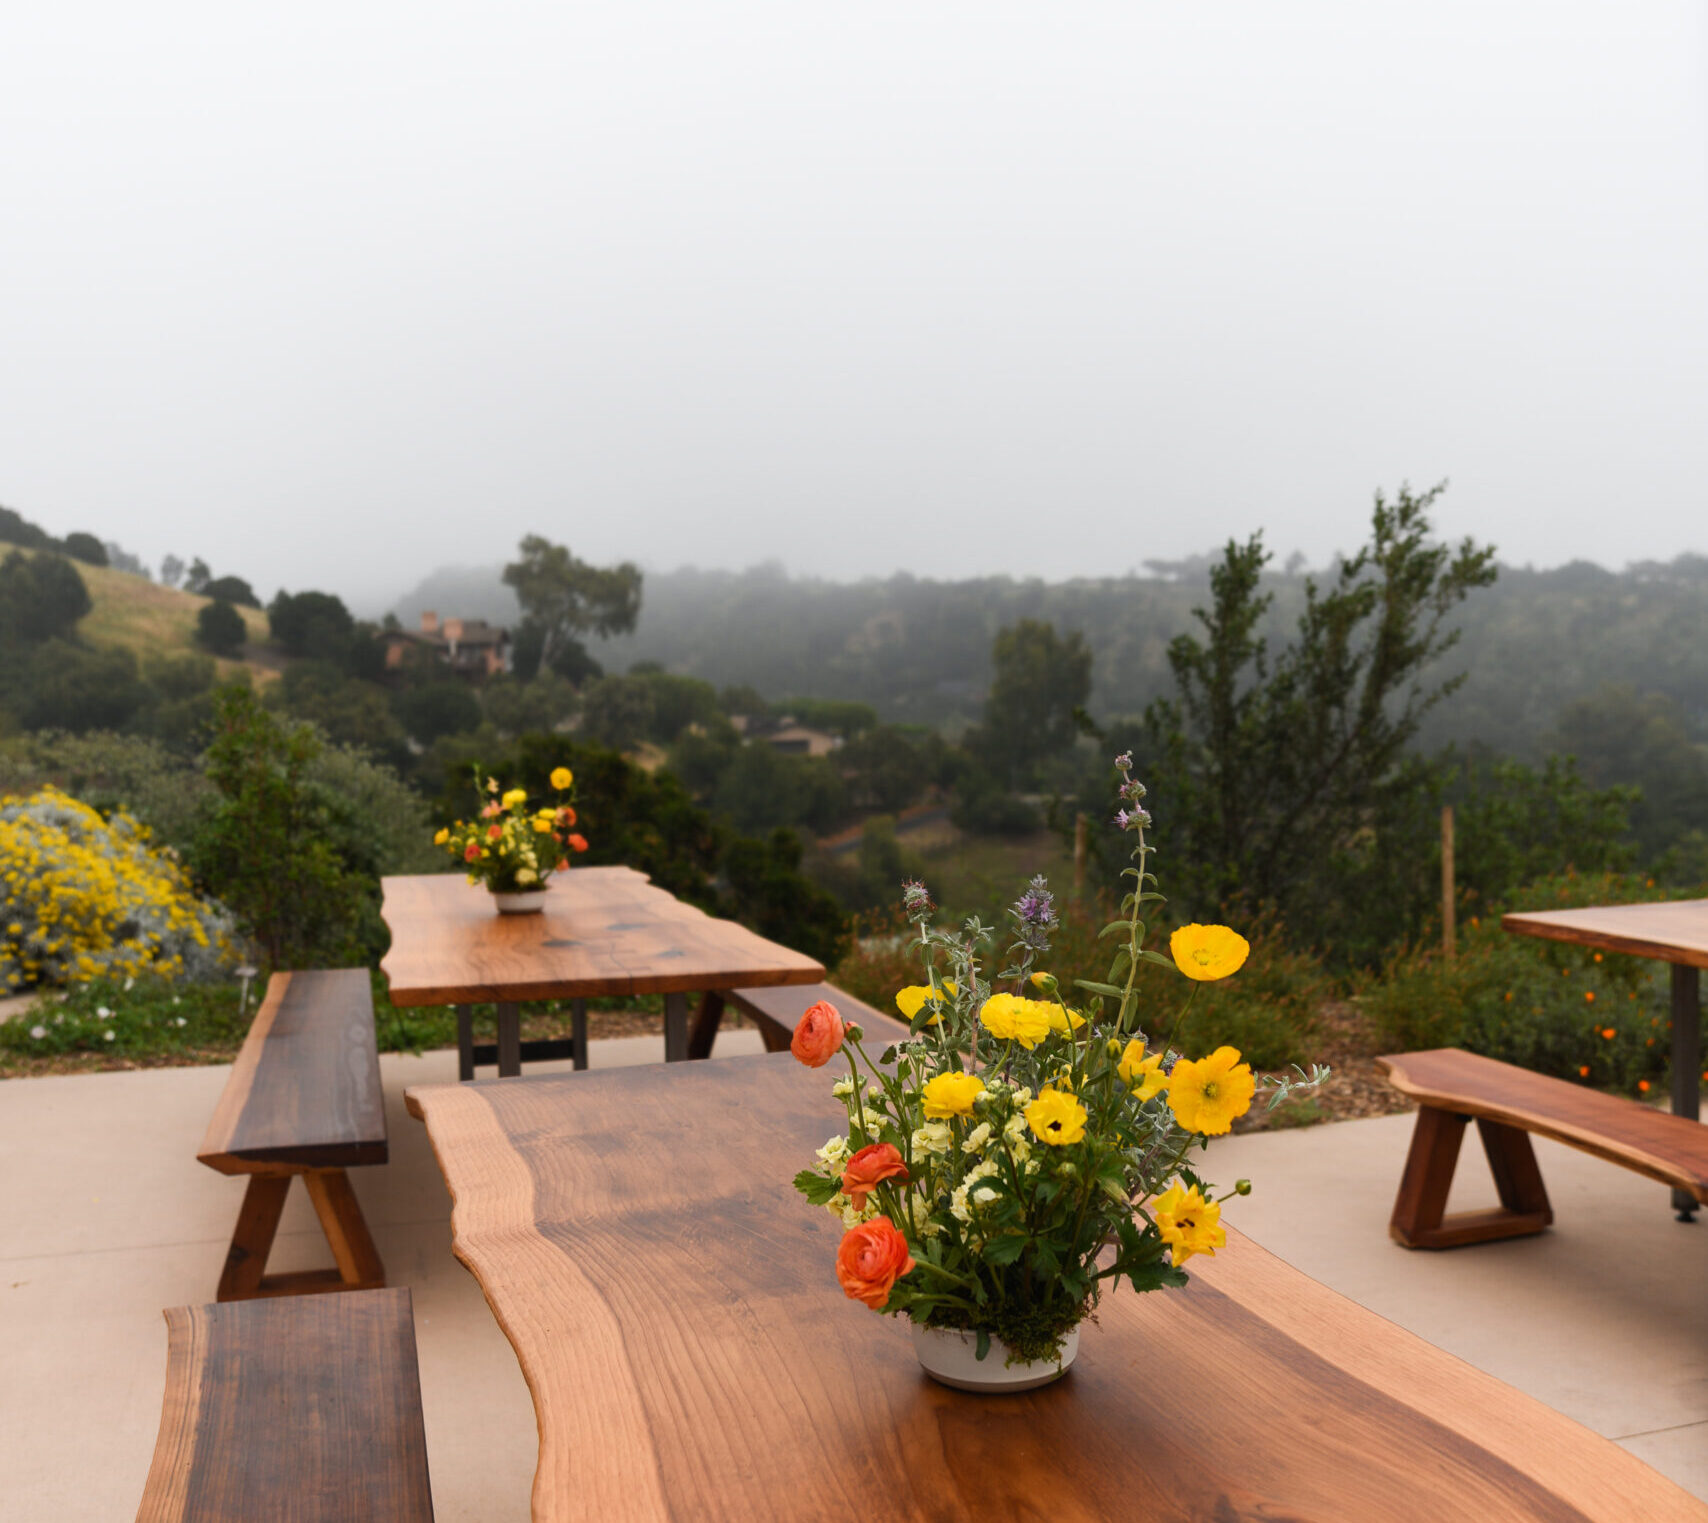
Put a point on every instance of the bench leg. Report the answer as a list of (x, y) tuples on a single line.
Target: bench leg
[(675, 1028), (706, 1021), (578, 1030), (1686, 1061), (359, 1268), (465, 1042), (1420, 1220)]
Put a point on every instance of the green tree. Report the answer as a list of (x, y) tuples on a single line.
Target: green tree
[(220, 628), (233, 589), (563, 599), (41, 597), (1041, 682), (446, 707), (86, 548), (316, 625), (767, 893), (1266, 770), (77, 689), (349, 711), (618, 712), (265, 848)]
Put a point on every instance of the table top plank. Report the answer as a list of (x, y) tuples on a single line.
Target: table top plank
[(636, 1235), (1674, 931), (604, 931)]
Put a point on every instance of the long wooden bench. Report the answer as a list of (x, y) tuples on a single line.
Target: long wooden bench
[(1453, 1087), (777, 1011), (307, 1410), (303, 1099)]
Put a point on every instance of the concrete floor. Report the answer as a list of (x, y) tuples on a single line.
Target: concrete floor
[(105, 1218)]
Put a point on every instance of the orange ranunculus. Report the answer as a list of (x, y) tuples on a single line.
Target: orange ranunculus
[(818, 1037), (563, 866), (493, 832), (873, 1256), (578, 843), (490, 810), (863, 1172), (567, 815), (470, 852)]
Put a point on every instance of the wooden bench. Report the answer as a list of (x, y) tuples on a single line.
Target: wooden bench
[(303, 1099), (777, 1011), (307, 1410), (1507, 1103)]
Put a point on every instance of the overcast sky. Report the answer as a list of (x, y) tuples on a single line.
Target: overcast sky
[(334, 294)]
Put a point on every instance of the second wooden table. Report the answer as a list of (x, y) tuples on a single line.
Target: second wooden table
[(604, 931)]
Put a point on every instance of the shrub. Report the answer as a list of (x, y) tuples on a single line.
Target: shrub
[(163, 791), (1546, 1006), (73, 688), (221, 629), (86, 548), (83, 897), (232, 589), (41, 596)]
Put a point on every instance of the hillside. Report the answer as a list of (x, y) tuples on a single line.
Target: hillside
[(159, 622)]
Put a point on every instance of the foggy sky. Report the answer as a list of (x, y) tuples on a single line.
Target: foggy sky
[(334, 294)]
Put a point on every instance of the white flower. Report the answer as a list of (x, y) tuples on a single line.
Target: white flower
[(180, 1021), (527, 875), (130, 983), (842, 1088), (834, 1151), (919, 1208), (967, 1194), (977, 1138), (873, 1092), (103, 1013), (933, 1137), (1022, 1098), (109, 1033), (37, 1033)]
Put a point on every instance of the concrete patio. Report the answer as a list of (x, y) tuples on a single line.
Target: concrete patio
[(105, 1218)]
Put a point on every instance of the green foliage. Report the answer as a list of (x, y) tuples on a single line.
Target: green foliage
[(618, 711), (15, 529), (164, 790), (1040, 681), (266, 847), (86, 548), (432, 709), (515, 707), (838, 716), (871, 876), (41, 598), (762, 788), (885, 768), (74, 688), (311, 624), (348, 710), (677, 703), (1267, 771), (1545, 1006), (563, 599), (133, 1018), (767, 892), (231, 589), (220, 628)]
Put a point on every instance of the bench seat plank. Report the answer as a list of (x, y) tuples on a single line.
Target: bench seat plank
[(777, 1011), (1670, 1149), (305, 1089), (307, 1410)]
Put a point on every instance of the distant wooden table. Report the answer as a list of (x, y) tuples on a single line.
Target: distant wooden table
[(1674, 932), (604, 931), (674, 1307)]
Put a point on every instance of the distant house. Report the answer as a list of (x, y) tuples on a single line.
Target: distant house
[(469, 647), (785, 734)]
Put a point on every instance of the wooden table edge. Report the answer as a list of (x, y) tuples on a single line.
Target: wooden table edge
[(597, 988), (1534, 923)]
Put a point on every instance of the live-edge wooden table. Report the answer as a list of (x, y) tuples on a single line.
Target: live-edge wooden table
[(603, 931), (1674, 931), (673, 1305)]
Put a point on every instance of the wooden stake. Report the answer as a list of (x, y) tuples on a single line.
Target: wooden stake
[(1448, 898), (1081, 847)]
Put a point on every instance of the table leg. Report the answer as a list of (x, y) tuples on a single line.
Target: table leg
[(509, 1040), (1686, 1061), (578, 1029), (706, 1021), (465, 1042), (675, 1028)]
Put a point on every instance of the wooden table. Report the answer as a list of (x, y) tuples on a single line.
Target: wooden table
[(604, 931), (1675, 932), (673, 1305)]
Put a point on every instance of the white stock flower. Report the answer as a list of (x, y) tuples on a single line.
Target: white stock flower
[(933, 1137), (834, 1151), (977, 1138)]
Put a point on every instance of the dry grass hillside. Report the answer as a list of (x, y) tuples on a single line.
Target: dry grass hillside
[(156, 621)]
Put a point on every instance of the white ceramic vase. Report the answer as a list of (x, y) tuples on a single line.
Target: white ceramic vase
[(950, 1357), (529, 903)]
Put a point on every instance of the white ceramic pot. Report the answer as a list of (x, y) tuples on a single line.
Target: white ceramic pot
[(529, 903), (950, 1357)]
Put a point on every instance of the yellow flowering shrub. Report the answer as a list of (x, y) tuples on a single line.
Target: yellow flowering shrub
[(83, 897)]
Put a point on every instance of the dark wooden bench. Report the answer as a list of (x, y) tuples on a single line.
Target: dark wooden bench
[(777, 1011), (303, 1099), (1507, 1103), (307, 1410)]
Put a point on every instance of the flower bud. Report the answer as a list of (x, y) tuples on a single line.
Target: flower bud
[(1242, 1187)]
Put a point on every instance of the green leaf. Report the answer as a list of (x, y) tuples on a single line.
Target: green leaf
[(1157, 958), (983, 1345), (1113, 927), (1108, 990), (1005, 1249), (816, 1187)]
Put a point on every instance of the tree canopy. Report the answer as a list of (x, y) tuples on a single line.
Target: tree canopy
[(563, 598)]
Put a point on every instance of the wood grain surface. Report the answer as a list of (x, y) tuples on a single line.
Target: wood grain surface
[(305, 1411), (778, 1011), (305, 1089), (673, 1305), (604, 931), (1675, 931), (1667, 1148)]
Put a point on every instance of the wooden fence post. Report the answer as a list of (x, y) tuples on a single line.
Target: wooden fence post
[(1449, 901), (1081, 847)]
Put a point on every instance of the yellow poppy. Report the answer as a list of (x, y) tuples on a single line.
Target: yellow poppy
[(1010, 1018), (951, 1094), (1208, 952), (442, 837), (1207, 1095), (1061, 1017), (562, 778), (911, 1000), (514, 796), (1142, 1075), (1056, 1118), (1188, 1223)]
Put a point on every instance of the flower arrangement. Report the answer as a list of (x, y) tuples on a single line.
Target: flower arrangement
[(991, 1157), (509, 847), (84, 897)]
